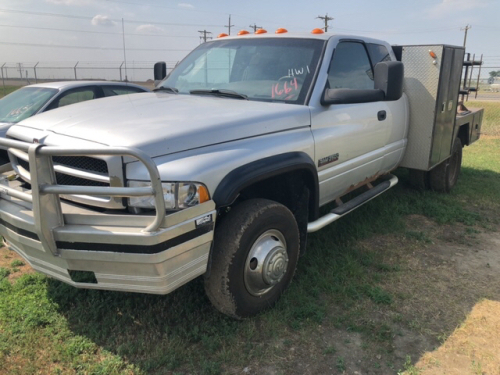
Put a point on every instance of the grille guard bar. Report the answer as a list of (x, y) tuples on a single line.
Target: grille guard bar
[(45, 190)]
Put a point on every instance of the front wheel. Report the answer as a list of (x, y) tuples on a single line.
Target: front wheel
[(255, 255)]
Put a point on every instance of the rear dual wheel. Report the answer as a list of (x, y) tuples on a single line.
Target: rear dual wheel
[(254, 258), (444, 176)]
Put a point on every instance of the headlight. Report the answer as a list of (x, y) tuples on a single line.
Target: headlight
[(177, 195)]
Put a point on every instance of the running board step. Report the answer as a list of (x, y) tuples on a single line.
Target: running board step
[(351, 205)]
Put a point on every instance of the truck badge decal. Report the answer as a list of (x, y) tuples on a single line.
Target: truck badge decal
[(328, 159), (203, 220)]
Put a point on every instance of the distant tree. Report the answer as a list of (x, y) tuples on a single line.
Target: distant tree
[(493, 75)]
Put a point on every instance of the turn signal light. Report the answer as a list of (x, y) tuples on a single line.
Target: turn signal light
[(433, 54), (261, 31), (317, 31), (203, 194), (281, 31), (243, 32), (222, 35)]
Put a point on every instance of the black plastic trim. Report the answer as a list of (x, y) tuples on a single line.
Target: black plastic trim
[(240, 178), (20, 231), (118, 248), (137, 249)]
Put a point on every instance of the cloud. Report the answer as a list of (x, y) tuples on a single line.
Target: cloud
[(149, 29), (101, 20), (185, 5), (446, 7), (70, 2)]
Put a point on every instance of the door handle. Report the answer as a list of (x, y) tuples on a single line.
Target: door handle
[(381, 115)]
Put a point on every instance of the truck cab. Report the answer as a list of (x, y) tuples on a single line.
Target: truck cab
[(222, 170)]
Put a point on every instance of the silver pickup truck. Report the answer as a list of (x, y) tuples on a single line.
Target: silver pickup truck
[(222, 170)]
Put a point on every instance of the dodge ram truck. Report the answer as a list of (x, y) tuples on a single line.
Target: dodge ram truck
[(222, 170)]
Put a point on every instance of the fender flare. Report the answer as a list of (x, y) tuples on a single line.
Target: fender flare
[(238, 179)]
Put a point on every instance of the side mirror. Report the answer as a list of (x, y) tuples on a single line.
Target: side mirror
[(389, 76), (160, 71)]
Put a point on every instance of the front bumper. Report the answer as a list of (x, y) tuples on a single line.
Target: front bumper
[(113, 247), (125, 252)]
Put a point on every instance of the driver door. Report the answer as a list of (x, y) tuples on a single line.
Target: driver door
[(350, 138)]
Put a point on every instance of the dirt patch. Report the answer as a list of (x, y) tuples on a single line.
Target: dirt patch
[(16, 265), (446, 271), (472, 349)]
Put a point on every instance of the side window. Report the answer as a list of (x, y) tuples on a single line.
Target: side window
[(120, 90), (74, 96), (350, 67), (378, 53)]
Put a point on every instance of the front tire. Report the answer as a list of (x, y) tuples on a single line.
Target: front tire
[(444, 177), (255, 254)]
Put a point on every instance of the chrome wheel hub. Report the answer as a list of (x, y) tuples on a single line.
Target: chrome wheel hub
[(266, 263)]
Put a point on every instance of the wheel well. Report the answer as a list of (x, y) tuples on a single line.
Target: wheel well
[(287, 189), (463, 134)]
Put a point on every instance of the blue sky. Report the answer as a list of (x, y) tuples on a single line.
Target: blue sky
[(166, 30)]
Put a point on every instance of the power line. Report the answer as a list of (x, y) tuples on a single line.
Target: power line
[(88, 47), (96, 32), (90, 18)]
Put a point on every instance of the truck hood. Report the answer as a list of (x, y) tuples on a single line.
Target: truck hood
[(164, 123)]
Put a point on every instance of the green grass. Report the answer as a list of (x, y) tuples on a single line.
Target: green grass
[(7, 90), (47, 326), (491, 118)]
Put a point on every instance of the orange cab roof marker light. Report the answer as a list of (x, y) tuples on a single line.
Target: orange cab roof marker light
[(261, 31), (222, 35), (317, 31), (281, 31), (243, 32)]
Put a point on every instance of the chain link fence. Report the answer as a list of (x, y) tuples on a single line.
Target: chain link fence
[(25, 73)]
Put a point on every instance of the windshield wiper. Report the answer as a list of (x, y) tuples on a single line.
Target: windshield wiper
[(167, 88), (222, 93)]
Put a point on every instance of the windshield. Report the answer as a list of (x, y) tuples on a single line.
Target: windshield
[(267, 69), (24, 103)]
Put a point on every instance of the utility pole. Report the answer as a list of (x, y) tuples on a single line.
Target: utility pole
[(326, 19), (466, 28), (255, 27), (204, 35), (229, 26), (124, 54)]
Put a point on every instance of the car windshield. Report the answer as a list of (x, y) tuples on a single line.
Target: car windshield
[(266, 69), (24, 103)]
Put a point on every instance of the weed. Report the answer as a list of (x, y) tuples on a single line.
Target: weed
[(17, 263), (340, 364), (329, 350), (418, 236), (4, 272), (409, 368)]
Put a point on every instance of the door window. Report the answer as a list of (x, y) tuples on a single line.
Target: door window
[(378, 53), (74, 96), (350, 67)]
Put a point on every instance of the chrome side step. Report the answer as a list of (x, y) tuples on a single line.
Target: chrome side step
[(351, 205)]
